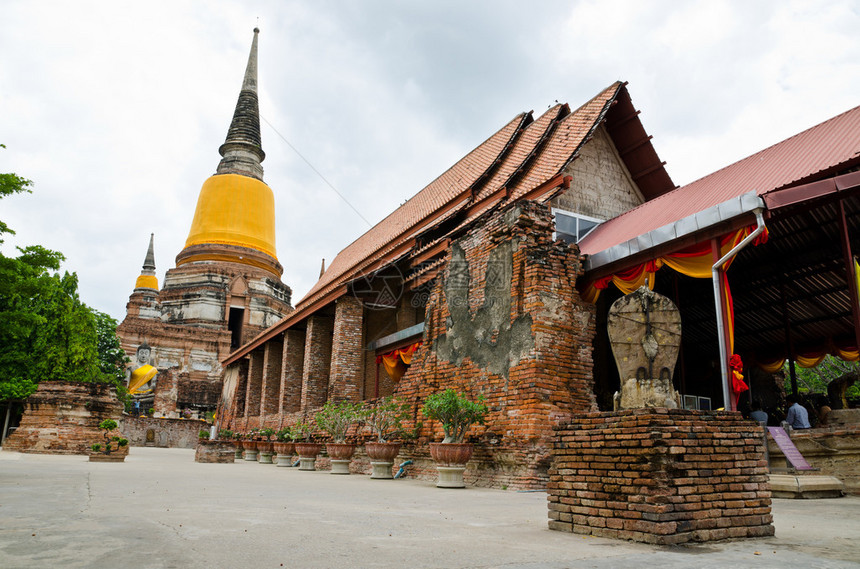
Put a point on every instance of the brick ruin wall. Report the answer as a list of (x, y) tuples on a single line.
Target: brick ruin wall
[(63, 418), (660, 476), (506, 321), (162, 432)]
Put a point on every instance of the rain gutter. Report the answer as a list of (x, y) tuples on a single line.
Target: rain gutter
[(718, 301)]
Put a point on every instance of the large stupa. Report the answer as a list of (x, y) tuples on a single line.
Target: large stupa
[(226, 286)]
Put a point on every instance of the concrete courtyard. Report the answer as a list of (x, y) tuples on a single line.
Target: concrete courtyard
[(160, 509)]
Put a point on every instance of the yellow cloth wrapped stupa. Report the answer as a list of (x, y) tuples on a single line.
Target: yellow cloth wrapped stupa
[(235, 216)]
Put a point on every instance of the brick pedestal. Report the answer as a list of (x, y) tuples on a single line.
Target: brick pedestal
[(215, 451), (660, 476)]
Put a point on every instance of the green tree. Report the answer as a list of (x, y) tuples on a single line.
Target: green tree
[(46, 332), (815, 380), (112, 358)]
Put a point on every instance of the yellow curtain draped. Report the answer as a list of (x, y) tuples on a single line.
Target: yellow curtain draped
[(694, 261), (396, 362)]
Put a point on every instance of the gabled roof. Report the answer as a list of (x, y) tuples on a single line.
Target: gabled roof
[(525, 158), (820, 151)]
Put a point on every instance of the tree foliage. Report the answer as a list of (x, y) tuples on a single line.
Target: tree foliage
[(46, 332), (112, 358), (816, 379)]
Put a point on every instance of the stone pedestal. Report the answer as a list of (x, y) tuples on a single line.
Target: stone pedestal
[(382, 470), (307, 463), (215, 451), (450, 476), (284, 460), (251, 454), (265, 457), (340, 466), (806, 486)]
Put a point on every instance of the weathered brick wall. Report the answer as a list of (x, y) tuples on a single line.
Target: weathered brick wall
[(63, 418), (347, 351), (660, 476), (507, 322), (292, 370), (317, 364), (170, 433)]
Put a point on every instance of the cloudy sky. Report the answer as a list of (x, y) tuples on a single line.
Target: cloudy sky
[(116, 109)]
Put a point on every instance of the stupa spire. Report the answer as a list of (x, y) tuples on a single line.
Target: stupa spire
[(242, 151), (147, 278)]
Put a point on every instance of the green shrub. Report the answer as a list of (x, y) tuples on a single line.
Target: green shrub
[(455, 412), (337, 418)]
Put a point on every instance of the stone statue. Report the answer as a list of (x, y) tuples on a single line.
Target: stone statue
[(140, 375), (645, 334)]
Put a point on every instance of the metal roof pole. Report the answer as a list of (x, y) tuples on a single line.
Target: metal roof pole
[(718, 301)]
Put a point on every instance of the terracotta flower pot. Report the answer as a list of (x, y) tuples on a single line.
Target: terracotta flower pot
[(451, 459), (100, 457), (340, 455), (382, 452), (451, 453), (340, 451), (286, 449), (308, 450), (308, 454)]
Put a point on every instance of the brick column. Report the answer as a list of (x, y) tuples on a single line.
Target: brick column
[(271, 384), (255, 384), (317, 364), (292, 370), (347, 357)]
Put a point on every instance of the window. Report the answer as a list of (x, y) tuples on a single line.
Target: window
[(573, 227)]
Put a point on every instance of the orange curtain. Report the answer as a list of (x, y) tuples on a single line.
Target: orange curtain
[(694, 261), (812, 357), (396, 362)]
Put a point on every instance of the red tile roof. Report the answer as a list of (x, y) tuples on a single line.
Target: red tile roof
[(500, 156), (525, 154), (819, 151)]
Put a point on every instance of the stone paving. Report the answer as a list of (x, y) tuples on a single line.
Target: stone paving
[(160, 509)]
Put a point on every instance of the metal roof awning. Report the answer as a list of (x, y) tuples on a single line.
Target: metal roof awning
[(744, 204)]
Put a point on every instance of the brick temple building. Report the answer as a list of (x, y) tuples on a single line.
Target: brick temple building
[(226, 286), (469, 284), (496, 279)]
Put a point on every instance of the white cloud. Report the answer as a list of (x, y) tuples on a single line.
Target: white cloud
[(116, 110)]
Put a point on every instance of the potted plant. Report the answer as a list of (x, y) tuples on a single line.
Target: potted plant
[(456, 413), (306, 448), (284, 446), (385, 418), (336, 419), (250, 445), (265, 446), (102, 452)]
